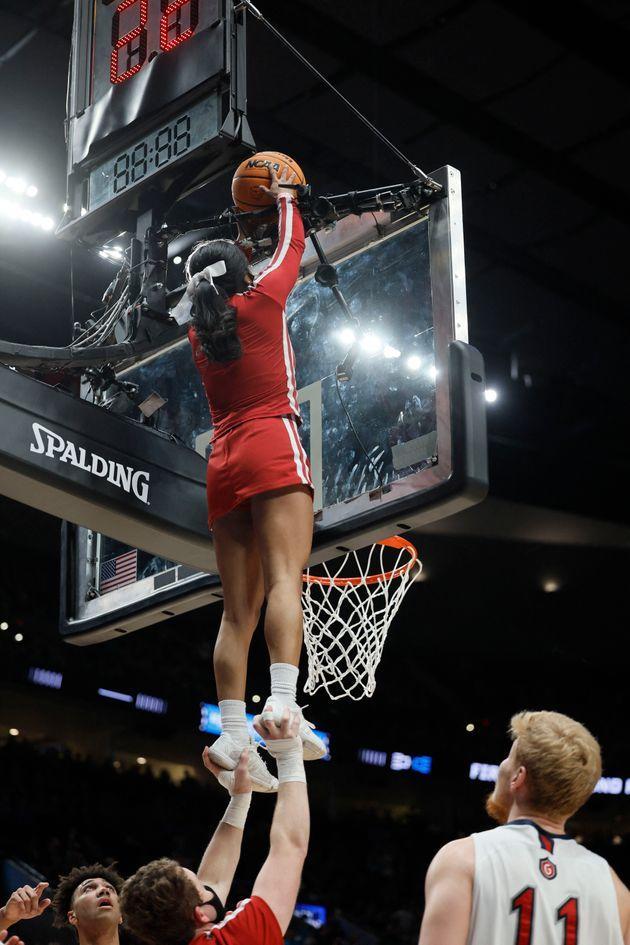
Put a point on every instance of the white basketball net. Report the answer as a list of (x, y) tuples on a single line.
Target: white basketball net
[(346, 623)]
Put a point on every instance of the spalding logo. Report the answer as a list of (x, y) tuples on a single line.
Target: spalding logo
[(259, 163), (52, 445), (547, 868)]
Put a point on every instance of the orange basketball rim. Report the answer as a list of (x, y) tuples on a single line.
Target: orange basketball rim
[(397, 542)]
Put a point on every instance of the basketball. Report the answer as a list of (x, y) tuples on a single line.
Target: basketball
[(254, 171)]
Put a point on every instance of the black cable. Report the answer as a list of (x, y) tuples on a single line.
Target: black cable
[(433, 185), (356, 435), (72, 285)]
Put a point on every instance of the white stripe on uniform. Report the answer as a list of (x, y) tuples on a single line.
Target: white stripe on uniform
[(283, 206), (302, 470), (302, 452), (232, 915)]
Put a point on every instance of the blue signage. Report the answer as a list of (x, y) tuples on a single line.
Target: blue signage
[(313, 915)]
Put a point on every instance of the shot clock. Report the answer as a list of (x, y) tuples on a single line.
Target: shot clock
[(130, 34), (157, 100), (176, 138)]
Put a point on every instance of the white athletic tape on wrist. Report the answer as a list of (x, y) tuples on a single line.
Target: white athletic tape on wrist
[(237, 810), (289, 758)]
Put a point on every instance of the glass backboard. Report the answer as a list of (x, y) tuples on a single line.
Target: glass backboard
[(401, 442)]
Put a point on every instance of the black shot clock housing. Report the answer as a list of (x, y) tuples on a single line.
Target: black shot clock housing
[(156, 107)]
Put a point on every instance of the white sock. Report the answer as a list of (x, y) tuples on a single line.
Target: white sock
[(233, 720), (284, 678)]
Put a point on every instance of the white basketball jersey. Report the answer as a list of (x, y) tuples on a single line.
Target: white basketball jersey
[(536, 888)]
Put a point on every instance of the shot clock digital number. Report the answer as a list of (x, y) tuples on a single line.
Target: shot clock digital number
[(168, 142), (130, 34), (133, 43)]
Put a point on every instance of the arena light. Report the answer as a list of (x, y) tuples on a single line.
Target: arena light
[(16, 184), (153, 704), (346, 336), (479, 771), (4, 625), (15, 211), (117, 696), (432, 372), (470, 727), (256, 698), (612, 785), (141, 760), (177, 260), (112, 254), (18, 637), (550, 585), (491, 395), (390, 352), (414, 362), (45, 677), (371, 343), (14, 732), (367, 756)]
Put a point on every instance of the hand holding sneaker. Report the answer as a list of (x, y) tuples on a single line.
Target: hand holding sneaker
[(235, 782), (226, 752), (283, 742), (312, 745)]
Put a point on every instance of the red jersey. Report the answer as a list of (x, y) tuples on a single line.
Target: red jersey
[(261, 383), (251, 923)]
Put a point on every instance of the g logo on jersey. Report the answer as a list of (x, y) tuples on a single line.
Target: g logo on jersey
[(547, 868)]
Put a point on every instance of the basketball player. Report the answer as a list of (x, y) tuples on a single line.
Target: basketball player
[(166, 903), (260, 493), (86, 899), (527, 882)]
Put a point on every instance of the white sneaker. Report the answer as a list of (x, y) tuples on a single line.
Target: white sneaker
[(312, 745), (225, 752)]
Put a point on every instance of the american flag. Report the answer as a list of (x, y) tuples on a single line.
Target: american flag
[(119, 571)]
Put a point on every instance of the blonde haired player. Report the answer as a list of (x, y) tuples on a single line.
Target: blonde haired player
[(527, 882)]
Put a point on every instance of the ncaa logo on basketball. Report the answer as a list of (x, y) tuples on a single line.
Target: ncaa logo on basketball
[(259, 163), (548, 869)]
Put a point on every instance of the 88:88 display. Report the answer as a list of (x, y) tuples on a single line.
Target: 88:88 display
[(169, 142)]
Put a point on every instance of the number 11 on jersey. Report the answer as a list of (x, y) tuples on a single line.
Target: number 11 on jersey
[(524, 904)]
